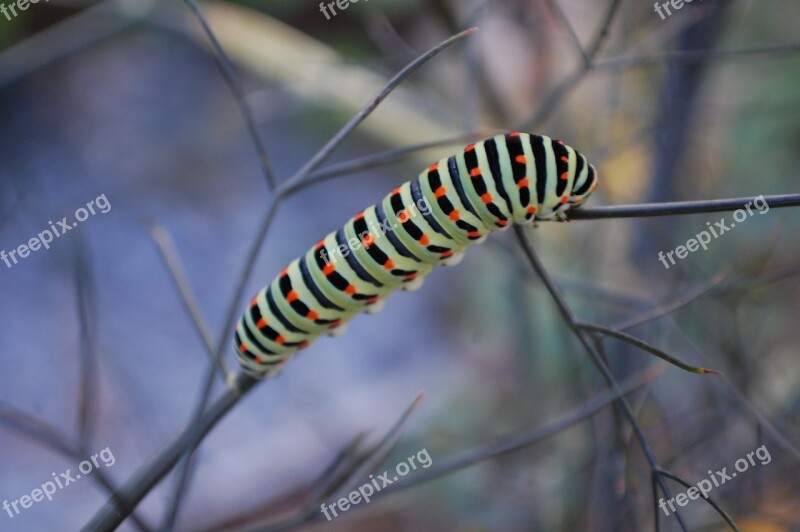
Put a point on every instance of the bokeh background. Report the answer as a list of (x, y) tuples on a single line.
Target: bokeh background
[(97, 349)]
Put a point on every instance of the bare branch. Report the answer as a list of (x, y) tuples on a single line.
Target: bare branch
[(643, 346), (673, 208), (348, 128), (226, 68), (181, 280)]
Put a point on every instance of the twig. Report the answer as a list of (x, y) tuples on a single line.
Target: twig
[(52, 438), (117, 509), (87, 389), (376, 160), (226, 68), (707, 498), (692, 56), (672, 208), (181, 280), (666, 309), (644, 346), (348, 128)]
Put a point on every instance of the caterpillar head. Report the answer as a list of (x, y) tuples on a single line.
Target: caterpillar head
[(583, 186), (581, 181)]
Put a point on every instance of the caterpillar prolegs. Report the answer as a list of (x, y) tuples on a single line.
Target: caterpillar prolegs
[(515, 178)]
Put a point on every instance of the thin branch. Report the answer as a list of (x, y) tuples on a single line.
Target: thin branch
[(672, 208), (348, 128), (171, 259), (668, 308), (116, 510), (383, 448), (343, 483), (50, 437), (226, 68), (550, 102), (87, 388), (692, 56), (707, 498), (555, 7), (376, 160), (644, 346)]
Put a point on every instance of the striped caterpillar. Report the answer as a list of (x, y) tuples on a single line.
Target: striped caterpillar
[(514, 178)]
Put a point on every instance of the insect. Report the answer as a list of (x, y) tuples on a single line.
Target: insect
[(514, 178)]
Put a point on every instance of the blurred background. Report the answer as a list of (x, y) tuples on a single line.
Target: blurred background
[(123, 98)]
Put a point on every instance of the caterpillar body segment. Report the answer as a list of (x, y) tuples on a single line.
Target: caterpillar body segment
[(453, 204)]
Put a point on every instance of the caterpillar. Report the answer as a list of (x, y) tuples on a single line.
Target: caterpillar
[(516, 178)]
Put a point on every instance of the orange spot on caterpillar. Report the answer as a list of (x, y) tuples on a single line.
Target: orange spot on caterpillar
[(319, 245), (389, 264), (373, 299), (396, 191), (411, 276), (524, 182), (475, 234), (475, 172), (254, 302), (291, 296), (447, 253), (531, 210), (284, 272), (359, 215), (368, 241), (302, 344), (350, 290), (403, 216), (514, 134), (487, 198), (469, 148), (335, 323), (455, 216), (261, 323), (521, 159), (433, 168), (328, 269), (564, 199), (502, 223), (280, 339), (242, 348), (564, 176), (441, 191), (424, 240), (565, 158), (312, 315)]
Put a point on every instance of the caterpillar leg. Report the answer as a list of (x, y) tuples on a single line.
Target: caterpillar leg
[(414, 285), (453, 259)]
